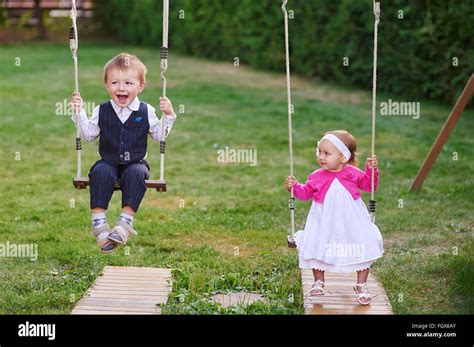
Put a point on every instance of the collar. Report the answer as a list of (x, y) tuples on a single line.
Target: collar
[(133, 106)]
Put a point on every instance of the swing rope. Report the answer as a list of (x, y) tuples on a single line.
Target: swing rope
[(81, 183), (164, 67), (74, 45), (374, 102), (291, 202)]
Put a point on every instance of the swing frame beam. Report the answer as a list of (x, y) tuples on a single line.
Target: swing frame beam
[(443, 135)]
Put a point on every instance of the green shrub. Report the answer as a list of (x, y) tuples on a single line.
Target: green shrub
[(416, 52)]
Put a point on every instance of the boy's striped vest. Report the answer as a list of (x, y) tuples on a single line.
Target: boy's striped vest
[(123, 143)]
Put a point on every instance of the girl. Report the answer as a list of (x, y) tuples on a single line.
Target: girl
[(339, 235)]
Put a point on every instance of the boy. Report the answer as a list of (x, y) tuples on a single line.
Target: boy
[(122, 123)]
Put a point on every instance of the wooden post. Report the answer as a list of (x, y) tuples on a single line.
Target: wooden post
[(444, 134), (39, 15)]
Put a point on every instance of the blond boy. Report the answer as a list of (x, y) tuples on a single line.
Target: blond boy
[(122, 125)]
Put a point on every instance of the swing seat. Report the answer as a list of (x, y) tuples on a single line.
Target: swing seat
[(159, 185)]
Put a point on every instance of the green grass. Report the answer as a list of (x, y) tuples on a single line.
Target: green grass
[(428, 262)]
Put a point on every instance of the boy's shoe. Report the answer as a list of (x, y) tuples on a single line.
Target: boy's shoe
[(106, 246), (121, 233)]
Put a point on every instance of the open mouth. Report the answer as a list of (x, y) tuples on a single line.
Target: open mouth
[(122, 98)]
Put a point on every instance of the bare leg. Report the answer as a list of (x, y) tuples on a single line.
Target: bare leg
[(318, 275), (128, 210), (97, 210), (362, 278)]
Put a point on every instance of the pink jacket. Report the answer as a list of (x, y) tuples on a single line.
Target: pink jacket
[(351, 177)]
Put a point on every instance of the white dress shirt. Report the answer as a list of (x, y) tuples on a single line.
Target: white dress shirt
[(90, 130)]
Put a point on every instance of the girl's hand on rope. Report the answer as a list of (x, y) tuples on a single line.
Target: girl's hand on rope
[(290, 182), (76, 103), (165, 106), (372, 162)]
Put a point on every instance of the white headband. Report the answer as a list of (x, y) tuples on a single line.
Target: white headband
[(339, 144)]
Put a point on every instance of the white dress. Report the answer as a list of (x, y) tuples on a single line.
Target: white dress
[(339, 235)]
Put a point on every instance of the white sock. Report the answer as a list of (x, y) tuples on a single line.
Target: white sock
[(98, 219), (124, 217)]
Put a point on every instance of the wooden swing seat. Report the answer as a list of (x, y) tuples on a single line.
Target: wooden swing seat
[(83, 183)]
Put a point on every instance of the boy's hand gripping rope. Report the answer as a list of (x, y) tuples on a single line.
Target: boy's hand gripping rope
[(74, 46), (164, 67)]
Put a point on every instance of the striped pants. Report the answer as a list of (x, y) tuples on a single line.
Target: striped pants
[(102, 178)]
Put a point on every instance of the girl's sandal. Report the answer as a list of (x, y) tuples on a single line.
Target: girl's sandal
[(364, 295), (105, 245), (317, 288), (121, 233)]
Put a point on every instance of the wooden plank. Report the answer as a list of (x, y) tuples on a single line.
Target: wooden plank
[(152, 298), (340, 280), (98, 312), (443, 135), (351, 296), (347, 307), (128, 280), (125, 293), (115, 287), (127, 290), (352, 308), (135, 269), (135, 276), (122, 301), (340, 298), (343, 280), (119, 309), (135, 272), (129, 283), (341, 312), (117, 302), (131, 290)]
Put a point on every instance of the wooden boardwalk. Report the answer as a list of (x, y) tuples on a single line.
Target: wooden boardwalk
[(127, 290), (340, 298)]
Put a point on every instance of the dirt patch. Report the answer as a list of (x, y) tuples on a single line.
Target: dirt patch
[(238, 298)]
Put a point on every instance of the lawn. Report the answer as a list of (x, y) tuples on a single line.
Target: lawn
[(222, 226)]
